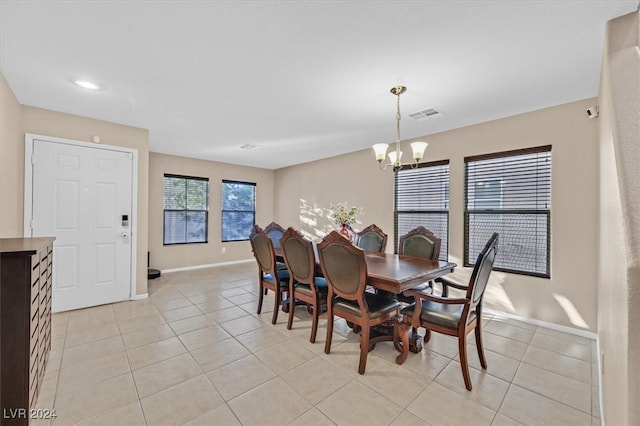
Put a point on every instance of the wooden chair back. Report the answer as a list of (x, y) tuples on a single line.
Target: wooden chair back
[(275, 232), (372, 238), (343, 266), (481, 271), (264, 252), (420, 242), (299, 256)]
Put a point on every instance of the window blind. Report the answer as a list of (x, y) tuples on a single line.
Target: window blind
[(422, 199), (186, 209), (238, 210), (510, 193)]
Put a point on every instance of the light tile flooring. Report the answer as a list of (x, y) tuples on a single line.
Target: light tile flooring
[(196, 353)]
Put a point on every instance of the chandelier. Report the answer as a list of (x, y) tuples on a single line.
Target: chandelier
[(395, 157)]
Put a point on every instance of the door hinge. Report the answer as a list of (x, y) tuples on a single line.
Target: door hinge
[(130, 155), (33, 159)]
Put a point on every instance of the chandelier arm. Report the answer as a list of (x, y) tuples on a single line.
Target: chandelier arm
[(381, 167)]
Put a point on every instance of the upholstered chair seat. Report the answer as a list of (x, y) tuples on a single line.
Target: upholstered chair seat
[(321, 287), (438, 313), (378, 305), (283, 276)]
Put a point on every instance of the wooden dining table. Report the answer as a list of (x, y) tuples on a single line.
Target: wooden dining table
[(394, 274)]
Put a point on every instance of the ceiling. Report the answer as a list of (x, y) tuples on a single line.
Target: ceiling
[(300, 80)]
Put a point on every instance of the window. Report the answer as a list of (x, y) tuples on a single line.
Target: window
[(422, 198), (186, 209), (488, 194), (510, 193), (238, 210)]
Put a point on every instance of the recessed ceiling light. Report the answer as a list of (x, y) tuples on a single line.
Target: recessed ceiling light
[(87, 84)]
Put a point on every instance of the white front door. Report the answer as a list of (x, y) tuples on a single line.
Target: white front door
[(82, 196)]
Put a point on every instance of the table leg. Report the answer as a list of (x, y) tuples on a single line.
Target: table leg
[(285, 304), (385, 333), (401, 342), (415, 341)]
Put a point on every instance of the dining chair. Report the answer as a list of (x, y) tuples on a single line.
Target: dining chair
[(304, 285), (372, 238), (452, 316), (420, 242), (275, 232), (269, 276), (345, 269)]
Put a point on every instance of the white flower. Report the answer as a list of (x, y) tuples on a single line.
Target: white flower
[(343, 215)]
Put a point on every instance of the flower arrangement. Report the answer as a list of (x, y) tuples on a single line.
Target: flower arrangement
[(343, 215)]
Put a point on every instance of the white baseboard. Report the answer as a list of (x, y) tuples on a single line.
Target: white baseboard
[(210, 265), (140, 296), (570, 330), (600, 367)]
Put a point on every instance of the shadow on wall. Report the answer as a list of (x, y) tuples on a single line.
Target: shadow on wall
[(496, 295), (572, 313), (496, 298), (316, 221)]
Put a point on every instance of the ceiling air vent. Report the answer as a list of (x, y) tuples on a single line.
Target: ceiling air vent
[(427, 113), (249, 146)]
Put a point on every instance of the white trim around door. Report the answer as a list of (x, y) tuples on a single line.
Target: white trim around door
[(28, 191)]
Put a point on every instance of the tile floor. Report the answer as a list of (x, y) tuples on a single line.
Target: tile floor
[(196, 353)]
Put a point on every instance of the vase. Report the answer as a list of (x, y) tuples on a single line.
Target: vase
[(347, 232)]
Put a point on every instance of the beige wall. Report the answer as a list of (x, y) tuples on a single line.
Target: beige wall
[(51, 123), (183, 255), (11, 145), (619, 225), (304, 193)]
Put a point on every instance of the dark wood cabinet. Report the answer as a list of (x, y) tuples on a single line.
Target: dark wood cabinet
[(25, 323)]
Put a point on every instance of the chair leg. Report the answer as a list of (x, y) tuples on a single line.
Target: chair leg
[(327, 343), (483, 360), (462, 347), (364, 348), (260, 297), (276, 307), (314, 324), (292, 310)]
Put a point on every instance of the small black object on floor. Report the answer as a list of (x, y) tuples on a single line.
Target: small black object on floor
[(151, 273)]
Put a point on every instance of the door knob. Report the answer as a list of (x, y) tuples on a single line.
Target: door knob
[(124, 235)]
